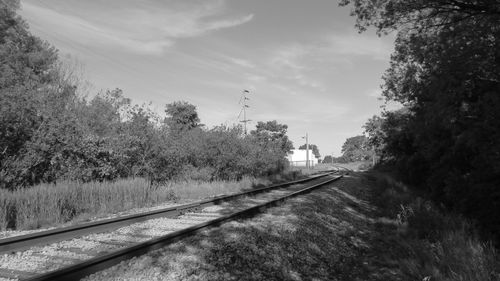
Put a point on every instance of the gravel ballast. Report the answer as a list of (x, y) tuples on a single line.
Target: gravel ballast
[(50, 257), (325, 235)]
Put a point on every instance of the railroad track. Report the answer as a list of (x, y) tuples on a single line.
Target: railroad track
[(71, 253), (342, 169)]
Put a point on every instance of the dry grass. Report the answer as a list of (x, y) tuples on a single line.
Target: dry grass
[(199, 189), (307, 238), (328, 235), (355, 166), (52, 204), (313, 170)]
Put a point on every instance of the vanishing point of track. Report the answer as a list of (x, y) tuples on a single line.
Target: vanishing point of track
[(101, 262)]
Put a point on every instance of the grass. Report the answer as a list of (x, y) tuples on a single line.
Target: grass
[(307, 238), (430, 243), (356, 166), (313, 170), (53, 204), (199, 189), (366, 226)]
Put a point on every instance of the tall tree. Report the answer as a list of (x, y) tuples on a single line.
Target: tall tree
[(103, 114), (11, 4), (182, 116), (356, 149), (328, 159), (272, 133), (27, 73), (446, 71)]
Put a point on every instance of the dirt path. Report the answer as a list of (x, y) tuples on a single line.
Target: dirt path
[(330, 234)]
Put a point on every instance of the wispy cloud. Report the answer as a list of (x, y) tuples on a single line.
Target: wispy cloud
[(143, 29), (375, 93), (333, 48), (220, 24), (233, 61), (359, 45), (305, 64), (289, 56), (295, 63), (255, 78), (242, 62)]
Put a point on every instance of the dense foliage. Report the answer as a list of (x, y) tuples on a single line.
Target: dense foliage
[(48, 132), (446, 72), (356, 149), (313, 147)]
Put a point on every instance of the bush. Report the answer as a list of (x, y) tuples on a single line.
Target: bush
[(49, 133)]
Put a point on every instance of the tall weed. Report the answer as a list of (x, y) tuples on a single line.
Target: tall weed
[(50, 204)]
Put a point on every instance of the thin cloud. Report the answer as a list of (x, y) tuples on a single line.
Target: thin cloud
[(375, 93), (226, 23), (139, 29), (296, 63), (305, 64), (360, 45), (234, 61), (289, 56), (242, 62), (254, 78)]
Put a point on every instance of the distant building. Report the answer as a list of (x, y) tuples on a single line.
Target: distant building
[(298, 158)]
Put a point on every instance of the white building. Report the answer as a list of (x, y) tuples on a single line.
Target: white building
[(298, 158)]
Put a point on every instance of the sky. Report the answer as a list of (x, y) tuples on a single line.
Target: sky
[(303, 62)]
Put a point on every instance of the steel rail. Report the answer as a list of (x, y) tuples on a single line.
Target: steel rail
[(83, 269), (23, 242)]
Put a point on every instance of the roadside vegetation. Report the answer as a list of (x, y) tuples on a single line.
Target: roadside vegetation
[(357, 154), (444, 71), (427, 242), (307, 238), (69, 201), (65, 152), (444, 140), (365, 226)]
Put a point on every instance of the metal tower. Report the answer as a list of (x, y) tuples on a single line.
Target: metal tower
[(243, 102)]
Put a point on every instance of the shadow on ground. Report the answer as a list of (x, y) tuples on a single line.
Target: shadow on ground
[(330, 234)]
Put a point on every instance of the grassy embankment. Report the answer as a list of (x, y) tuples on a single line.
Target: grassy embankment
[(53, 204), (429, 243), (321, 167), (363, 227)]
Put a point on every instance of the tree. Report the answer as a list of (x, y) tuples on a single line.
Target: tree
[(11, 4), (182, 116), (356, 149), (313, 147), (103, 114), (26, 66), (387, 15), (376, 136), (271, 134), (446, 71), (327, 159), (48, 132), (27, 74)]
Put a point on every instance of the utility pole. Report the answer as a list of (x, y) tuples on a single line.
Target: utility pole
[(244, 107), (307, 151), (373, 157)]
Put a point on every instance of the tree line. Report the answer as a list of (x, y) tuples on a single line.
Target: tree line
[(445, 70), (49, 132)]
